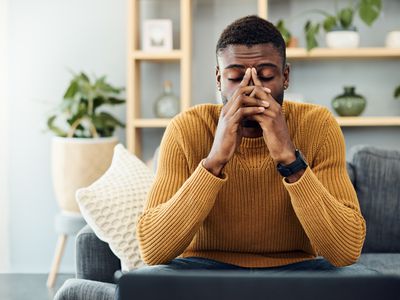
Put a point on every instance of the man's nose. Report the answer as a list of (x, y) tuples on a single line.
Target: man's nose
[(251, 82)]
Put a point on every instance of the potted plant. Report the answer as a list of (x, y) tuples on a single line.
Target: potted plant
[(83, 146), (289, 39), (339, 28)]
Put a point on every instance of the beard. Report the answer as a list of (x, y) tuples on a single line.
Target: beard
[(247, 122)]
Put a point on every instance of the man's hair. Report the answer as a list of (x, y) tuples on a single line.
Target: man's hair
[(249, 31)]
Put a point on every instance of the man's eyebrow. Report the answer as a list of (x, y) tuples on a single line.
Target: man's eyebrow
[(235, 66), (266, 65), (260, 66)]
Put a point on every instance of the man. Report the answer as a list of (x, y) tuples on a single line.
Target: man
[(258, 183)]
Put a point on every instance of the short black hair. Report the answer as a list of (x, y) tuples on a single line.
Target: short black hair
[(252, 30)]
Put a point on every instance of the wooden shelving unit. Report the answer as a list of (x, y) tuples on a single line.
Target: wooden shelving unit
[(151, 123), (135, 122), (358, 53), (368, 121), (160, 57)]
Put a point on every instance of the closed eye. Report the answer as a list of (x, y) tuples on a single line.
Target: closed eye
[(241, 78), (235, 79), (266, 78)]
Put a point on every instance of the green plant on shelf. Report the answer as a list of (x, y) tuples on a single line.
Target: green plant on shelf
[(79, 114), (396, 93), (286, 34), (342, 19)]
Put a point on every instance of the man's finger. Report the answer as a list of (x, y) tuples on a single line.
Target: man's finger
[(259, 93), (239, 91), (246, 78), (254, 76), (244, 112)]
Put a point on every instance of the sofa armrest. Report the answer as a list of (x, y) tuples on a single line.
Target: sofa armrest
[(94, 258)]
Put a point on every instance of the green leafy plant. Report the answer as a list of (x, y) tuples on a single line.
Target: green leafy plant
[(396, 93), (280, 25), (79, 112), (368, 11)]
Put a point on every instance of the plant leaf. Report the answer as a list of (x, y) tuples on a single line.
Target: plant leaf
[(56, 130), (114, 101), (397, 92), (71, 90), (102, 86), (369, 10), (346, 17), (109, 119), (284, 31), (311, 31), (84, 77), (329, 23)]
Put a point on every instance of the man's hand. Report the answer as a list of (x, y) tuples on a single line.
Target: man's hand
[(228, 135), (275, 130)]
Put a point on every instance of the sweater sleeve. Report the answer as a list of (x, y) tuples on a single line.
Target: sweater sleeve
[(326, 203), (177, 203)]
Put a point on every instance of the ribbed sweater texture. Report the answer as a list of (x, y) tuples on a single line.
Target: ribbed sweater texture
[(250, 216)]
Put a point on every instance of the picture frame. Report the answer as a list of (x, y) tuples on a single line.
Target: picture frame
[(157, 35)]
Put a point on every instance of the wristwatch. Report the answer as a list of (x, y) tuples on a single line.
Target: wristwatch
[(294, 167)]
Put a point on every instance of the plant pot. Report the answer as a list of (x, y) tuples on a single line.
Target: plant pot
[(349, 104), (393, 39), (76, 163), (342, 39)]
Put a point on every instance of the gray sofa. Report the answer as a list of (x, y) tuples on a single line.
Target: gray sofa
[(375, 174)]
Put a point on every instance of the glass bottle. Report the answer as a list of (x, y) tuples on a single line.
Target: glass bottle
[(167, 105)]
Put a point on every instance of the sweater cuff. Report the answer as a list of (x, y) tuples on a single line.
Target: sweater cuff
[(208, 176), (305, 190)]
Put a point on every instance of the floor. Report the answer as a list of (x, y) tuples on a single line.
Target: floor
[(29, 286)]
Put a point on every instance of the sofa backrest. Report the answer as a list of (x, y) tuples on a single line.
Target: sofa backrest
[(375, 173)]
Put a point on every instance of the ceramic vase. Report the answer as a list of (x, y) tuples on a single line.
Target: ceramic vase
[(349, 104)]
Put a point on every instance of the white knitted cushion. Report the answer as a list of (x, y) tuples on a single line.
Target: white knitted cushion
[(112, 204)]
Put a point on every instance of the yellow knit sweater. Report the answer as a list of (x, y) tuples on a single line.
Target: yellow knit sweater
[(252, 217)]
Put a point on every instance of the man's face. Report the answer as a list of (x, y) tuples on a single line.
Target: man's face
[(235, 59)]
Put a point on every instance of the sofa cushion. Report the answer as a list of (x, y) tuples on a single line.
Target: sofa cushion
[(94, 258), (377, 182), (112, 204), (385, 263), (79, 289)]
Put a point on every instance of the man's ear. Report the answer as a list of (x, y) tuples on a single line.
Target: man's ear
[(218, 77), (286, 72)]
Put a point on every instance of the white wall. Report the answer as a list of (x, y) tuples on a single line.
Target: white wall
[(47, 38), (4, 237)]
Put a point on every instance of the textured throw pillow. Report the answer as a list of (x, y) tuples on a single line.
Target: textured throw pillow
[(111, 205)]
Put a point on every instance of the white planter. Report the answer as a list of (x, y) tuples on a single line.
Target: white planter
[(393, 39), (342, 39), (76, 163)]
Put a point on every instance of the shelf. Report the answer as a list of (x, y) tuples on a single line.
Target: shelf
[(157, 56), (327, 53), (368, 121), (150, 123), (343, 122)]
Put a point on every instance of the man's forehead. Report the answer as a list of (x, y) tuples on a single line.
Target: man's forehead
[(242, 56)]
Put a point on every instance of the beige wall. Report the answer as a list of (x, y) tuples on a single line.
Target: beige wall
[(4, 240)]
